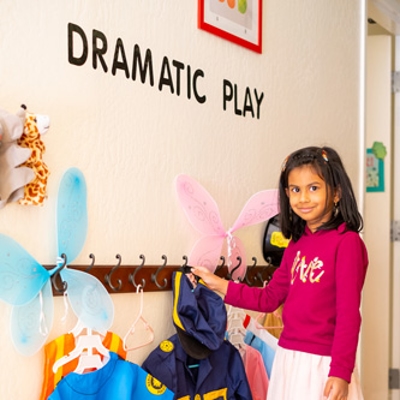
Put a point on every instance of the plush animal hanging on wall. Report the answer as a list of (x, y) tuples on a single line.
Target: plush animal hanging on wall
[(13, 176), (35, 125)]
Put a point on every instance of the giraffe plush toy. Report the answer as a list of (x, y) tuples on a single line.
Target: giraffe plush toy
[(13, 176), (35, 125)]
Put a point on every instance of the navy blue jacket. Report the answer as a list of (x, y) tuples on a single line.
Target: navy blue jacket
[(221, 376)]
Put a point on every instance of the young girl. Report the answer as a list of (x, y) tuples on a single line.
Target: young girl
[(319, 281)]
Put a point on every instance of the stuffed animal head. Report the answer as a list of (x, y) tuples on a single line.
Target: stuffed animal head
[(41, 121), (13, 176)]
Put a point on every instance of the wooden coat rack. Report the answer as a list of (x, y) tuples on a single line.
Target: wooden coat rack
[(153, 278)]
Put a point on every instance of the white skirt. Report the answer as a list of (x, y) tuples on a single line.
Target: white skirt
[(302, 376)]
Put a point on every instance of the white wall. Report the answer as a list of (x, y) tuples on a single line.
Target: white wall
[(131, 139)]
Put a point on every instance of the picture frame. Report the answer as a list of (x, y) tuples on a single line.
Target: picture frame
[(375, 173), (239, 21)]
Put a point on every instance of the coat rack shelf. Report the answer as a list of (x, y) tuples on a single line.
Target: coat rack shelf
[(153, 278)]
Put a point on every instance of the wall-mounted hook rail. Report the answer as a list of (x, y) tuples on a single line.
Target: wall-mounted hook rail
[(121, 278)]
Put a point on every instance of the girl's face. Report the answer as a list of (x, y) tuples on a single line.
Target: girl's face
[(309, 197)]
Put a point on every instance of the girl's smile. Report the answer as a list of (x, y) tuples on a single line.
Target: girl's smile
[(309, 197)]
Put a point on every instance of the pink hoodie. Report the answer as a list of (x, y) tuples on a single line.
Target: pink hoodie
[(319, 281)]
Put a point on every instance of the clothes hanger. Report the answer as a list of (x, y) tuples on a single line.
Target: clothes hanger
[(276, 314), (84, 348), (89, 361), (132, 329), (235, 329)]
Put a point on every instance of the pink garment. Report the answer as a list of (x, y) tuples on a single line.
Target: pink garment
[(256, 373), (320, 280)]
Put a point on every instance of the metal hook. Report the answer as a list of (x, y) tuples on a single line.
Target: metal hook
[(229, 275), (91, 255), (249, 268), (109, 275), (222, 258), (132, 276), (64, 284), (259, 275), (155, 275), (187, 269)]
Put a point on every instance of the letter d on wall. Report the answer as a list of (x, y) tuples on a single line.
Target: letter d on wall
[(72, 28)]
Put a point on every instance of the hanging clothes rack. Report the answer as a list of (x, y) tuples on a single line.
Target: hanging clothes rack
[(121, 278)]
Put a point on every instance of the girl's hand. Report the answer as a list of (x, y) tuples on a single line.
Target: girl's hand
[(336, 389), (214, 282)]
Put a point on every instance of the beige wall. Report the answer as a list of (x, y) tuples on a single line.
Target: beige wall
[(131, 139)]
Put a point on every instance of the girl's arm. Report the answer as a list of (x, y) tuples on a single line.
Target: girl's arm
[(213, 281), (351, 266), (265, 299)]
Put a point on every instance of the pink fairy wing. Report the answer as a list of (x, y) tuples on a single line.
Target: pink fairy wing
[(207, 252), (259, 208), (199, 207)]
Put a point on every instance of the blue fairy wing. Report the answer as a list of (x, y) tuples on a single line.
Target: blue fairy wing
[(72, 220), (21, 276), (32, 322), (89, 299)]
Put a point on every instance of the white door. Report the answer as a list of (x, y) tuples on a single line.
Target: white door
[(395, 339), (375, 347)]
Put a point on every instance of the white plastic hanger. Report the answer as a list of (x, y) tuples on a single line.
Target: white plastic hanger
[(84, 350), (132, 329), (235, 329)]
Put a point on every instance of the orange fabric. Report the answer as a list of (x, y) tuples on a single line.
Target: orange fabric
[(60, 347), (273, 322)]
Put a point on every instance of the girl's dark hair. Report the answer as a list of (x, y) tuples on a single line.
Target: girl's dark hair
[(328, 165)]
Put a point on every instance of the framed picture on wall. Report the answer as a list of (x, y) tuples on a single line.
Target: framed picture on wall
[(239, 21), (375, 175)]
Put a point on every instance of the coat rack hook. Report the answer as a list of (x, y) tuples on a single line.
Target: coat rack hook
[(91, 255), (229, 275), (155, 275), (185, 267), (260, 275), (64, 284), (249, 268), (222, 265), (132, 276), (109, 276)]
